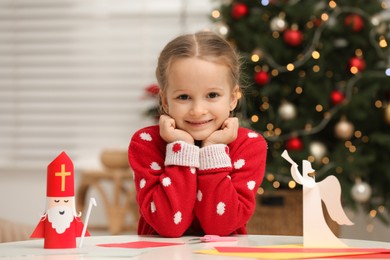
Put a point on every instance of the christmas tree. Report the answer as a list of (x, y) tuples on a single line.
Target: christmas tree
[(317, 77)]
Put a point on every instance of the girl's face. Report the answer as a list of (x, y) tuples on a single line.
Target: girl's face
[(199, 96)]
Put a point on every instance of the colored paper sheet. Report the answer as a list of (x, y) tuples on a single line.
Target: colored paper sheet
[(298, 249), (296, 252), (140, 244)]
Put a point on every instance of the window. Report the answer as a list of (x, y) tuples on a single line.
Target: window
[(73, 73)]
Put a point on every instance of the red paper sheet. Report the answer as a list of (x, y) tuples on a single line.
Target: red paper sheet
[(140, 244)]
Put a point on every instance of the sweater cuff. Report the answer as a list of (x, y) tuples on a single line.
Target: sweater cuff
[(182, 154), (214, 157)]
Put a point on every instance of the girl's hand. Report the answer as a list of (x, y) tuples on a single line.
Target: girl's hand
[(225, 135), (170, 133)]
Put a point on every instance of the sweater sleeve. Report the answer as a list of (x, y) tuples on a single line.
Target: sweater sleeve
[(165, 180), (227, 183)]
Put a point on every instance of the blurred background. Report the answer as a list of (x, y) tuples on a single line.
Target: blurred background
[(78, 76)]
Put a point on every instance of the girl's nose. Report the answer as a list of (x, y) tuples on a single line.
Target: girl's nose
[(198, 108)]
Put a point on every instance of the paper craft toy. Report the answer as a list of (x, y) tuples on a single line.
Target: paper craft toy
[(61, 224), (316, 232)]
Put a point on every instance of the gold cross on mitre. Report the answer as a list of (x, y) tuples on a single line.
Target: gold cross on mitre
[(62, 174)]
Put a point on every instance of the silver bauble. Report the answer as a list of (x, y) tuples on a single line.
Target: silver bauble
[(287, 111), (318, 150), (361, 191), (278, 24)]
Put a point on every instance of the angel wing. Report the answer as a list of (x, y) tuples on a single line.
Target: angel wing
[(330, 190)]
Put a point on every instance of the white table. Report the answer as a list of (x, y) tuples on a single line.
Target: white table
[(33, 249)]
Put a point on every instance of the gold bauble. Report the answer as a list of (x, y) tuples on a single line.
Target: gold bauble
[(344, 129), (387, 114)]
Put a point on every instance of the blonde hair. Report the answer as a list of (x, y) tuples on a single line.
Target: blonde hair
[(203, 45)]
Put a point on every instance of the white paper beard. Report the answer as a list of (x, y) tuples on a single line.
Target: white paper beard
[(60, 218)]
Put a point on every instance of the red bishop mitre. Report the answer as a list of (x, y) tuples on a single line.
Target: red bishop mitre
[(60, 177)]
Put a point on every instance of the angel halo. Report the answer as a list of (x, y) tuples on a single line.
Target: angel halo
[(316, 232)]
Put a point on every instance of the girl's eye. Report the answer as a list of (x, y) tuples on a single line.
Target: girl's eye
[(66, 201), (56, 201), (183, 97), (213, 95)]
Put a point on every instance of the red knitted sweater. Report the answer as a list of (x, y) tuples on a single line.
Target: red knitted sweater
[(186, 190)]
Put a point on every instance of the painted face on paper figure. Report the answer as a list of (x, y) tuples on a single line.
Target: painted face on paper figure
[(199, 96), (60, 212)]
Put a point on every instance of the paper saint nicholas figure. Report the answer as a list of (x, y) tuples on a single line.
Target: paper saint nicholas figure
[(60, 224), (316, 232)]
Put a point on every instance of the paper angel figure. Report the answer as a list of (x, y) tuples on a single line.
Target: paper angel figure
[(316, 232), (60, 225)]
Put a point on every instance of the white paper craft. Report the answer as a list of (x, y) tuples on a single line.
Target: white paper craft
[(316, 232), (92, 202)]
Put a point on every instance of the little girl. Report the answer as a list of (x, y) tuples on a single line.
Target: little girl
[(197, 172)]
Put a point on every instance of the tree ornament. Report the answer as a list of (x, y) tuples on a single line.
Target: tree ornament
[(337, 97), (287, 111), (357, 62), (317, 22), (278, 24), (293, 37), (152, 90), (318, 150), (239, 10), (340, 43), (294, 144), (355, 22), (344, 129), (387, 113), (261, 77), (361, 191)]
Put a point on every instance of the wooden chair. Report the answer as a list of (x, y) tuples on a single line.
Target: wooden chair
[(122, 204)]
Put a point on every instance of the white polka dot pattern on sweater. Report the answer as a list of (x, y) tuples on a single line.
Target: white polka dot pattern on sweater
[(177, 218), (199, 195), (253, 135), (251, 185), (239, 164), (166, 181), (145, 136), (221, 208), (142, 183), (155, 166), (153, 207)]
